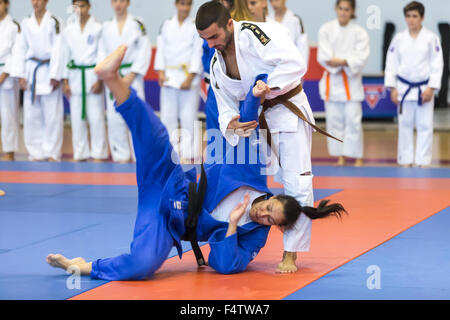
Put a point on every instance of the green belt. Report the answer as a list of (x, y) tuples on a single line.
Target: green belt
[(83, 69), (123, 66), (2, 64)]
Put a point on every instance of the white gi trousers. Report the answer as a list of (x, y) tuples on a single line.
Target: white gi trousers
[(119, 136), (43, 125), (420, 117), (344, 121), (9, 115), (95, 117), (295, 174), (182, 105)]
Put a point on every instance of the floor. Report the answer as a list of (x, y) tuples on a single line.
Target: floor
[(394, 243)]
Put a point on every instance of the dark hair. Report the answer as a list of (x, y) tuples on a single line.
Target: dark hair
[(414, 6), (212, 12), (292, 210), (352, 4), (87, 1)]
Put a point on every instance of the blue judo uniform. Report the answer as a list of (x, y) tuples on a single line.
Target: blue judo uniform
[(163, 202)]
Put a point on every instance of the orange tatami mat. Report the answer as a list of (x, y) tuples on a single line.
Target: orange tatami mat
[(379, 209)]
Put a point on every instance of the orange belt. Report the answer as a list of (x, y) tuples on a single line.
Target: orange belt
[(346, 85)]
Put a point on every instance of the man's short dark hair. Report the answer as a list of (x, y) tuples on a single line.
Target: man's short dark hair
[(212, 12), (414, 6)]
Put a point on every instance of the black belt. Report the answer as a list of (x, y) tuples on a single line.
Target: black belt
[(195, 205)]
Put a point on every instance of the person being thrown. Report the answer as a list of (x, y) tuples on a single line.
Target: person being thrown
[(170, 200)]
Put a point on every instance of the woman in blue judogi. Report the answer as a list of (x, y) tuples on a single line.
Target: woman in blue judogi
[(166, 195)]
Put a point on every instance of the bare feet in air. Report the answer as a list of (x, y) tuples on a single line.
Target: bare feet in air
[(288, 264), (109, 68), (61, 262)]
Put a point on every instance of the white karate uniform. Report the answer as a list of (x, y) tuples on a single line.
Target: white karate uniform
[(9, 89), (415, 60), (294, 24), (43, 119), (227, 205), (179, 52), (139, 53), (82, 49), (276, 55), (343, 102)]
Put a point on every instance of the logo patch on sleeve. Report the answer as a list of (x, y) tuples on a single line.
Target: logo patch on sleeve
[(259, 34)]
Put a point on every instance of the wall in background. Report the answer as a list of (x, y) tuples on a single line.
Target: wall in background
[(313, 13)]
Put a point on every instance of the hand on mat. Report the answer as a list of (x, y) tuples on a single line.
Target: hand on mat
[(239, 210), (427, 95), (243, 129)]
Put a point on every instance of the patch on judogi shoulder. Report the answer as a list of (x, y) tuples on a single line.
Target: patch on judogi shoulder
[(141, 26), (18, 26), (262, 37), (57, 26)]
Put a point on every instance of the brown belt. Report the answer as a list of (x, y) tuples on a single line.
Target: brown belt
[(284, 100)]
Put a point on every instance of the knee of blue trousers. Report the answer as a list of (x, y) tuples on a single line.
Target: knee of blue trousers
[(141, 266)]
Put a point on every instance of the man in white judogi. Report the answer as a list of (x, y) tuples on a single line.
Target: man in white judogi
[(124, 29), (414, 67), (243, 51), (294, 24), (9, 89), (82, 86), (343, 50), (38, 62), (179, 64)]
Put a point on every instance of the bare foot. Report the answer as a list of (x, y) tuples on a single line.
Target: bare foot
[(61, 262), (359, 163), (341, 161), (288, 264), (8, 156), (109, 68), (2, 193)]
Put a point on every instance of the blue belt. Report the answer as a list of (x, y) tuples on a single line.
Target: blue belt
[(411, 86), (40, 63)]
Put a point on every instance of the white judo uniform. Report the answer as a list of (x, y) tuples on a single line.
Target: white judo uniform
[(38, 58), (9, 89), (179, 52), (294, 24), (270, 50), (414, 60), (341, 87), (81, 48), (137, 60)]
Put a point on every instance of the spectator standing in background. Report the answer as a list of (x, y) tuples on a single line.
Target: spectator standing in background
[(179, 64), (82, 87), (343, 51), (414, 67), (9, 89), (124, 29), (38, 62)]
